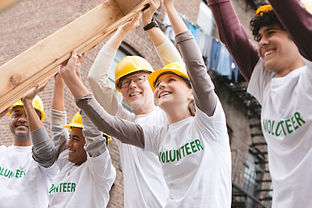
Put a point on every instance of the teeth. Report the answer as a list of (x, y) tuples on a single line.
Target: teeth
[(21, 126), (133, 94), (267, 53), (163, 94)]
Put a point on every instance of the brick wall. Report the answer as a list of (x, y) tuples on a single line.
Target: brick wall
[(29, 21)]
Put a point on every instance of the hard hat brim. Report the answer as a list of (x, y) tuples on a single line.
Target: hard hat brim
[(70, 126), (42, 115), (155, 75)]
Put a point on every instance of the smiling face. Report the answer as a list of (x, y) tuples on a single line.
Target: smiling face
[(75, 145), (278, 51), (171, 91), (18, 124), (138, 94)]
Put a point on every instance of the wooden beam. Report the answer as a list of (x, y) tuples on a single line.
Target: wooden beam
[(6, 3), (124, 5), (37, 64)]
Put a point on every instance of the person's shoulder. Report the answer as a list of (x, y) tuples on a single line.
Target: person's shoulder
[(159, 115), (3, 148), (158, 111), (6, 148), (308, 63)]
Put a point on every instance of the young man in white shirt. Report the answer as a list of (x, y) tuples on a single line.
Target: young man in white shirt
[(280, 79), (86, 173), (23, 182)]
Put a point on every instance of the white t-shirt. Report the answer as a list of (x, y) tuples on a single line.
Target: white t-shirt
[(144, 185), (196, 159), (141, 169), (286, 120), (86, 185), (23, 183)]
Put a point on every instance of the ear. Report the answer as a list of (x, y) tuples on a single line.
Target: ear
[(155, 101), (258, 51), (190, 96)]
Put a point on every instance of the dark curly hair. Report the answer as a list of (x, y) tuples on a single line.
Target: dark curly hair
[(265, 19)]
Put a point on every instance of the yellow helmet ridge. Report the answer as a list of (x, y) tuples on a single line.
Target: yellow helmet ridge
[(37, 104)]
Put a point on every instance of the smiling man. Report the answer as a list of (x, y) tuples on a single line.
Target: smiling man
[(86, 173), (280, 79), (23, 182), (144, 184), (76, 142)]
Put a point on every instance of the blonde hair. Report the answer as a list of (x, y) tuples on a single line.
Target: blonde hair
[(191, 108)]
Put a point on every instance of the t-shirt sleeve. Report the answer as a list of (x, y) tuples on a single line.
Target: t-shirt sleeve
[(259, 80), (214, 127), (51, 171), (102, 168), (103, 172), (152, 135)]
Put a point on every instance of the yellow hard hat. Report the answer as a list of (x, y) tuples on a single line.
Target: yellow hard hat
[(128, 65), (264, 9), (108, 138), (177, 68), (77, 122), (37, 104)]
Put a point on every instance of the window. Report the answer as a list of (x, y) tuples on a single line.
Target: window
[(111, 74), (250, 179)]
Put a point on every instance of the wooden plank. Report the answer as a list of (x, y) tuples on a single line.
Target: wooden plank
[(124, 5), (6, 3), (37, 64)]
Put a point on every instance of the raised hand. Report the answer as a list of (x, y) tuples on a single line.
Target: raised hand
[(115, 41), (32, 117), (132, 24), (30, 95), (177, 23), (71, 75), (72, 68), (147, 14), (58, 79)]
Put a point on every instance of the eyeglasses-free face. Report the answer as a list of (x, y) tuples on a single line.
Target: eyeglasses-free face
[(277, 50)]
